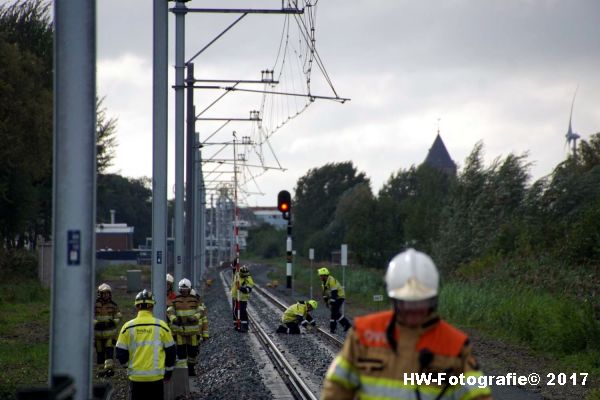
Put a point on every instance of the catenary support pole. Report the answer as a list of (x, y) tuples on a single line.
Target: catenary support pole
[(74, 182), (189, 173), (159, 156), (180, 11)]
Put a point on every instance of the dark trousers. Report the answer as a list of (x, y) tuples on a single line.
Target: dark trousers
[(337, 316), (243, 305), (146, 390), (289, 327)]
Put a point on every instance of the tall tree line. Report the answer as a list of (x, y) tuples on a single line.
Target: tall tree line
[(483, 210), (26, 96)]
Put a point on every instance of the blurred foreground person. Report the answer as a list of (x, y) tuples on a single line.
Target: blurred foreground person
[(384, 350)]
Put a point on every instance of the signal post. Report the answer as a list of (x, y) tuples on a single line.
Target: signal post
[(284, 204)]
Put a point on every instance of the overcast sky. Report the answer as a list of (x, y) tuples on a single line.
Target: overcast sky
[(502, 72)]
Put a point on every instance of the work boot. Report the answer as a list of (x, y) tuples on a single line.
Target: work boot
[(346, 324), (191, 370), (332, 326)]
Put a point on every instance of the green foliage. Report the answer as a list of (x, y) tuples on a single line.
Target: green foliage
[(106, 141), (483, 210), (266, 242), (316, 197), (132, 200), (24, 334), (354, 215), (16, 264), (557, 325)]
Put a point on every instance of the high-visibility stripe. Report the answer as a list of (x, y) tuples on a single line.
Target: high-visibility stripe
[(136, 325), (157, 345), (105, 334), (150, 372), (185, 313), (468, 392), (104, 318), (343, 373)]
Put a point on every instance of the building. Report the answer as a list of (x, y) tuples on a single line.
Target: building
[(439, 158), (116, 237), (113, 236), (269, 215)]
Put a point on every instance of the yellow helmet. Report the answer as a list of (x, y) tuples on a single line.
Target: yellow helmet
[(313, 304), (323, 271)]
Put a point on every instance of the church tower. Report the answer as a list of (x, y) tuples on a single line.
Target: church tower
[(438, 157)]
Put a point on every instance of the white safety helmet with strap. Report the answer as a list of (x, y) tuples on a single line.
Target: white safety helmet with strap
[(170, 278), (104, 288), (185, 284), (412, 277)]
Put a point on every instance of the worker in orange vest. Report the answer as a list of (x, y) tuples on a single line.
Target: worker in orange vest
[(384, 352)]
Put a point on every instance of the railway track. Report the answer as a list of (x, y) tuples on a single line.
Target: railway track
[(298, 387)]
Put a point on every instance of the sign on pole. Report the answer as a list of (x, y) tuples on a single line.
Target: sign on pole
[(344, 260), (311, 254)]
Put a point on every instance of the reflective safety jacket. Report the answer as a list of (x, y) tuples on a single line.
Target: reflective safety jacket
[(246, 281), (146, 345), (203, 322), (184, 315), (332, 288), (106, 319), (296, 313), (378, 352)]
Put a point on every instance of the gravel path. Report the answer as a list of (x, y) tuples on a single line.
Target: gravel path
[(229, 369)]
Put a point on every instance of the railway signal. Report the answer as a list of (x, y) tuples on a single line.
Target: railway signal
[(284, 204)]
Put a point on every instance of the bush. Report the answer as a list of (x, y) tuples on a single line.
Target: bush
[(17, 263)]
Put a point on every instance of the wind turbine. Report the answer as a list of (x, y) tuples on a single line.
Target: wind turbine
[(572, 136)]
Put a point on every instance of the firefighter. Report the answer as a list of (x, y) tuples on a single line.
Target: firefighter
[(170, 292), (244, 283), (106, 319), (384, 349), (333, 297), (146, 345), (298, 315), (203, 320), (184, 315)]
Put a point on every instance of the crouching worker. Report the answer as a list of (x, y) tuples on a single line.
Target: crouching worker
[(297, 315), (146, 346)]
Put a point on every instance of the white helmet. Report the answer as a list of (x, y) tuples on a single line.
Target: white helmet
[(412, 276), (104, 288), (170, 278), (185, 284)]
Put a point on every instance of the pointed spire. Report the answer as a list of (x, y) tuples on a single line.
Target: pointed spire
[(438, 156)]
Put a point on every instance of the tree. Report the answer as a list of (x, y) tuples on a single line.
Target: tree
[(316, 197), (25, 121), (356, 216), (131, 198), (106, 142)]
